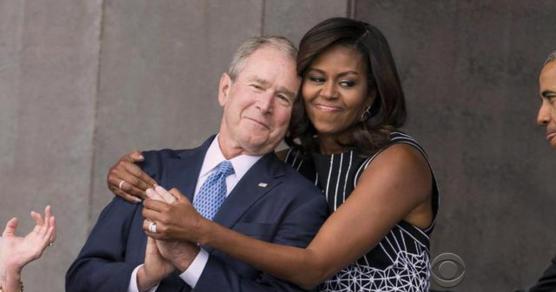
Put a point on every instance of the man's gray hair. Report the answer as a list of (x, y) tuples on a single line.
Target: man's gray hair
[(551, 57), (254, 43)]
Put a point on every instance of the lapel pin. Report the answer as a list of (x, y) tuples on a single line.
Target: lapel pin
[(263, 185)]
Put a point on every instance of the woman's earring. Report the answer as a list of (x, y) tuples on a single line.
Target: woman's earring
[(365, 115)]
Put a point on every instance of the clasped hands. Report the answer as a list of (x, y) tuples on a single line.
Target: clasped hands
[(174, 244)]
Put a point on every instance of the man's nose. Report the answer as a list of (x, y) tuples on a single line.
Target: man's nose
[(543, 117), (264, 102)]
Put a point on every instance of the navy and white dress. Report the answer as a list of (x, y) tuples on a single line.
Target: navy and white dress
[(401, 260)]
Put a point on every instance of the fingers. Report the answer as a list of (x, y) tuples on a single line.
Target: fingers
[(155, 205), (140, 179), (155, 212), (47, 212), (154, 195), (128, 173), (132, 158), (52, 229), (143, 176), (11, 227), (49, 224), (168, 197), (135, 156), (128, 191), (126, 196), (37, 218), (146, 229), (178, 195)]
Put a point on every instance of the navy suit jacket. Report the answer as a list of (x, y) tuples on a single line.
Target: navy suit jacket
[(287, 210), (547, 282)]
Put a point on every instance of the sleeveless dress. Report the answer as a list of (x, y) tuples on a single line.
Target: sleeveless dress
[(400, 261)]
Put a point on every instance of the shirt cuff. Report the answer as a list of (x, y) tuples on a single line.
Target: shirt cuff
[(192, 274), (132, 287)]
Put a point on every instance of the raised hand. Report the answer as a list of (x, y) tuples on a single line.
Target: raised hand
[(127, 180), (16, 251)]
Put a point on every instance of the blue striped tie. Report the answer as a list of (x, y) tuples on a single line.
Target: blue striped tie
[(213, 191)]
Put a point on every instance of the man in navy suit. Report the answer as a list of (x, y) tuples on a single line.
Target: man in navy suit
[(264, 198)]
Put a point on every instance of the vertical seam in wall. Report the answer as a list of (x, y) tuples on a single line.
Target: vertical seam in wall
[(95, 113), (263, 8), (350, 9)]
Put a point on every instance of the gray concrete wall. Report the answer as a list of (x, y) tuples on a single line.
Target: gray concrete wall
[(469, 70), (48, 79), (82, 82)]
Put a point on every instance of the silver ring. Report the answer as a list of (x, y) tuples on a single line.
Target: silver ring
[(152, 227), (122, 182)]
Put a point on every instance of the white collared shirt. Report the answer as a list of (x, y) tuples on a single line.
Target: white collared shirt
[(241, 164)]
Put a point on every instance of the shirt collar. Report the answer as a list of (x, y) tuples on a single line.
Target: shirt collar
[(241, 163)]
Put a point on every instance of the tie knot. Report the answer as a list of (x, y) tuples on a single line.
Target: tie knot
[(225, 168)]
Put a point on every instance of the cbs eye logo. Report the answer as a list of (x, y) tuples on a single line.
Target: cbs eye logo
[(448, 270)]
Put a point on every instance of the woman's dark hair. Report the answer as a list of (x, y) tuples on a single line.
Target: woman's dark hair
[(388, 109)]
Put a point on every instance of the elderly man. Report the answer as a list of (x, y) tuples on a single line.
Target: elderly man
[(234, 179), (547, 118)]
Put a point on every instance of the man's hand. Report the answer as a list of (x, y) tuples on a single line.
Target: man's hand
[(175, 217), (180, 253), (154, 269)]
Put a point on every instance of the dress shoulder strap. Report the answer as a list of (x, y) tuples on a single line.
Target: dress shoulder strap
[(395, 138)]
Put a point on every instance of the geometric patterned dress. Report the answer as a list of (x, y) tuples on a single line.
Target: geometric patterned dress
[(401, 260)]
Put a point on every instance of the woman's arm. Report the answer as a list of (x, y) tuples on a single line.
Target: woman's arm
[(126, 179), (395, 184), (16, 252)]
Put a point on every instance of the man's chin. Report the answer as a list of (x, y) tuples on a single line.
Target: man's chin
[(258, 146)]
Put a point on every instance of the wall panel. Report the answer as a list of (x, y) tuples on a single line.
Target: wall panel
[(48, 71), (469, 70)]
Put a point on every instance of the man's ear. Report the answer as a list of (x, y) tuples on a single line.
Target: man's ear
[(224, 88)]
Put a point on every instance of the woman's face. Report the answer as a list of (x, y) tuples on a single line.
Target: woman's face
[(335, 90)]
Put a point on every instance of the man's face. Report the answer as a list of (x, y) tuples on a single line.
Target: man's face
[(258, 103), (547, 112)]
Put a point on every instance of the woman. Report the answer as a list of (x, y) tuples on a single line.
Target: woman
[(16, 252), (343, 137)]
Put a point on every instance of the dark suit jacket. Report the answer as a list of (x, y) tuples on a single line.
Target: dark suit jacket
[(548, 280), (288, 210)]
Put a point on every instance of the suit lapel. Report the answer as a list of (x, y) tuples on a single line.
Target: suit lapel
[(182, 172), (259, 180)]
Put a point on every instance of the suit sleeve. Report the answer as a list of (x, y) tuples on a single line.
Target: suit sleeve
[(298, 227), (548, 280), (101, 264)]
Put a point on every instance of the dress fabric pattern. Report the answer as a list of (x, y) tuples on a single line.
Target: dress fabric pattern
[(401, 260)]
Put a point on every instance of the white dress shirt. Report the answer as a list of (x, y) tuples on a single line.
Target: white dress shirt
[(214, 156)]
